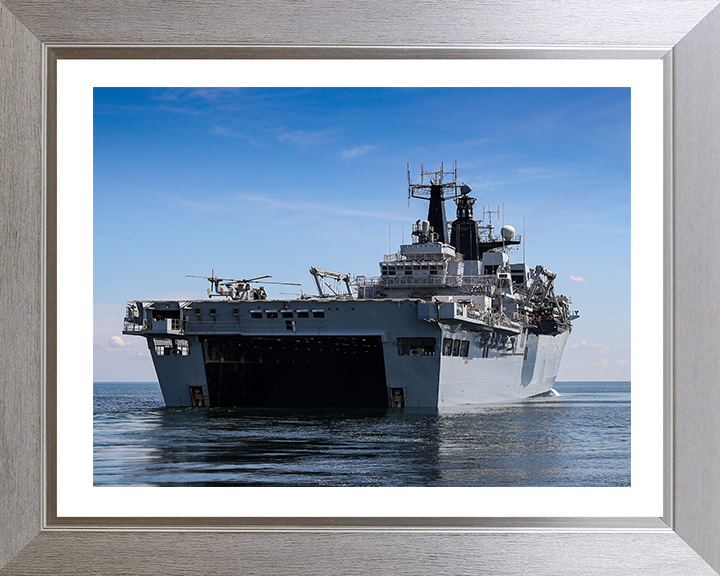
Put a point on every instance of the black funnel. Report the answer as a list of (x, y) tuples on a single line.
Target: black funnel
[(436, 212)]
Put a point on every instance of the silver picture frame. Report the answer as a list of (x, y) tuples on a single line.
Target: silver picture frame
[(685, 34)]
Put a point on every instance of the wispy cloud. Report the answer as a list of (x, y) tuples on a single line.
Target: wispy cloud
[(518, 176), (600, 347), (542, 172), (230, 133), (355, 152), (306, 138), (475, 142), (313, 207), (197, 205), (207, 94), (269, 204), (163, 106), (579, 279), (222, 131), (212, 94), (489, 184), (116, 343)]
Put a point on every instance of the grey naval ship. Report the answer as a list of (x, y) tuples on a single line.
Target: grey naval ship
[(450, 321)]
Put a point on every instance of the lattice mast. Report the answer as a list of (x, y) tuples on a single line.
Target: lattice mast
[(433, 187)]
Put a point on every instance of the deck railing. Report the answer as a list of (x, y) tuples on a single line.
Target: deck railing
[(421, 256), (134, 326), (439, 280)]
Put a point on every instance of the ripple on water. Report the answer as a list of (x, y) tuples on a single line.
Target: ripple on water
[(580, 438)]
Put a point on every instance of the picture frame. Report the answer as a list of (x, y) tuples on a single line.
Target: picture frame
[(685, 34)]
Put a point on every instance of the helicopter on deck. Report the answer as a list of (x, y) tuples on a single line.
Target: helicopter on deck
[(237, 289)]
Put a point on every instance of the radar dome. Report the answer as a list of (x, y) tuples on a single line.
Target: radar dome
[(507, 232)]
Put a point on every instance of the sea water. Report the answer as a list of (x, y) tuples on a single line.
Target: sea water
[(579, 438)]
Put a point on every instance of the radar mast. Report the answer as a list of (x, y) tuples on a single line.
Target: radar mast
[(433, 187)]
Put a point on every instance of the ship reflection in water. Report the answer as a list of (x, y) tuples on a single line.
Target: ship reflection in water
[(580, 438)]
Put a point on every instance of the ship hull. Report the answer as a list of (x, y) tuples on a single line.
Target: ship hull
[(346, 353), (503, 378)]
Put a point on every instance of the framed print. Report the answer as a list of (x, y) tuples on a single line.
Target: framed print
[(440, 481), (37, 40)]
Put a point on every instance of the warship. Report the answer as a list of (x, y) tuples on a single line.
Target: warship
[(450, 322)]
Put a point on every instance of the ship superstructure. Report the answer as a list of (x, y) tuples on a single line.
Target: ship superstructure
[(450, 321)]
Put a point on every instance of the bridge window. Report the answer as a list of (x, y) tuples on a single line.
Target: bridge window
[(198, 312), (213, 311), (287, 314), (168, 347), (161, 345), (255, 314), (271, 314), (447, 346), (303, 314), (163, 314), (464, 348), (236, 311), (416, 346), (456, 348), (318, 313), (182, 346)]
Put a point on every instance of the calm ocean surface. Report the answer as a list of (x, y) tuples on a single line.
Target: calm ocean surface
[(580, 438)]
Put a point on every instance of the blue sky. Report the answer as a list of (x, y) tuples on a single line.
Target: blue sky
[(253, 181)]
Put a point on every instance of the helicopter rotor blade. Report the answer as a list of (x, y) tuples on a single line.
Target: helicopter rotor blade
[(244, 282), (209, 278), (228, 281)]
